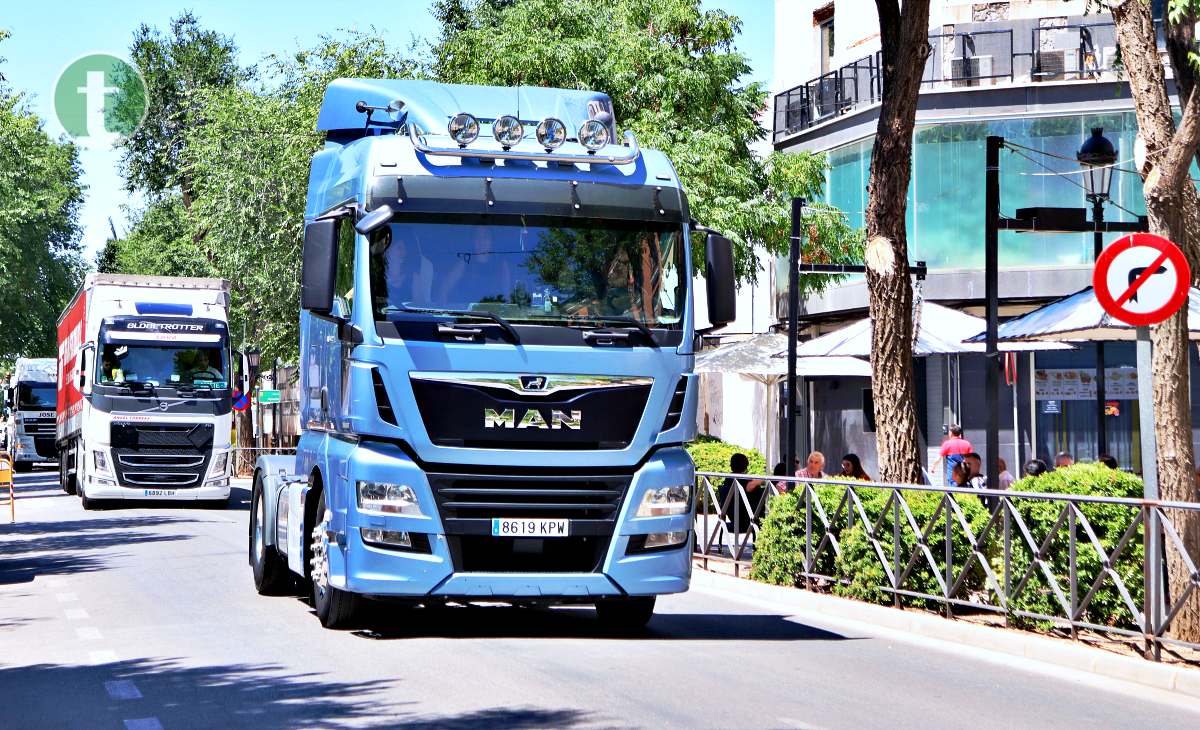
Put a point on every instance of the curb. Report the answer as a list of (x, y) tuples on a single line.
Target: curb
[(916, 624)]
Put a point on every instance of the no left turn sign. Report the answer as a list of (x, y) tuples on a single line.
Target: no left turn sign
[(1141, 279)]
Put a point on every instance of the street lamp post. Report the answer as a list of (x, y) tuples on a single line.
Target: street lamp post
[(1097, 157)]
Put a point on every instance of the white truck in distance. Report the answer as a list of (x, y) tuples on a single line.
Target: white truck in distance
[(29, 412), (144, 408)]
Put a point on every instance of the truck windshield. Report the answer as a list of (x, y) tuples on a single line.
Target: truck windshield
[(189, 365), (541, 271), (36, 396)]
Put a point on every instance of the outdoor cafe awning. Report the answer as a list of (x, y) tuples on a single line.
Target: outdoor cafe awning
[(1079, 318)]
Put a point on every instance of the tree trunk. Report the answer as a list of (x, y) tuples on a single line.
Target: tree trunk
[(1173, 207), (905, 47)]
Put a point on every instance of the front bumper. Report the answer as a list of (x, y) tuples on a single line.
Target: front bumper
[(366, 569), (97, 491)]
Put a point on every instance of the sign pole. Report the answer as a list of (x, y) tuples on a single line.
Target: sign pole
[(1152, 572)]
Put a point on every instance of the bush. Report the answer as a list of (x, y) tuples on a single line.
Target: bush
[(858, 573), (712, 454), (1108, 522)]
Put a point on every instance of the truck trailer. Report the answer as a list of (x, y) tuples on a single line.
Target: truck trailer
[(144, 399), (497, 333), (29, 412)]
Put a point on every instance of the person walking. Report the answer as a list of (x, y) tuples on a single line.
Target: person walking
[(1006, 477), (953, 450), (852, 468)]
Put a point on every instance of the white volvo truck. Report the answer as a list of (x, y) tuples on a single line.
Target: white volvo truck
[(29, 423), (144, 409)]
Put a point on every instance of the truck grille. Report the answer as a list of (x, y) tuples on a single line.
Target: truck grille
[(467, 504), (172, 456)]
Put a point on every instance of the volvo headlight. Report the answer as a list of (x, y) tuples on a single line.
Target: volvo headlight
[(666, 501), (387, 498), (219, 464), (463, 129), (508, 130), (100, 461), (593, 134), (551, 133)]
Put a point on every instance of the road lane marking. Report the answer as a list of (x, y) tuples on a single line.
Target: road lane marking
[(144, 723), (54, 582), (102, 656), (123, 689), (88, 633), (66, 597), (77, 614)]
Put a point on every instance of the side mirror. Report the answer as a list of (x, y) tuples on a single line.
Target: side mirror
[(82, 368), (320, 267), (374, 220), (720, 280)]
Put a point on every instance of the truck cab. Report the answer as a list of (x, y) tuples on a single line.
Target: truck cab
[(497, 338), (29, 413)]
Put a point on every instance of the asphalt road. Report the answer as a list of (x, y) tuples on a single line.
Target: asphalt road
[(146, 617)]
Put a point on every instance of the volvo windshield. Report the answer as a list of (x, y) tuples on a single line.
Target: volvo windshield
[(36, 396), (533, 271), (169, 366)]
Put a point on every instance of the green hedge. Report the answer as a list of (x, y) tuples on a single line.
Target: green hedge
[(779, 550), (1108, 522), (712, 454)]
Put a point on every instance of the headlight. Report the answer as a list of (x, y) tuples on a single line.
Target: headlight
[(463, 129), (508, 130), (385, 538), (657, 540), (593, 134), (666, 501), (100, 461), (551, 133), (219, 464), (392, 499)]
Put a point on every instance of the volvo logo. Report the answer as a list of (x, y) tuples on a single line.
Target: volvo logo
[(533, 382), (532, 418)]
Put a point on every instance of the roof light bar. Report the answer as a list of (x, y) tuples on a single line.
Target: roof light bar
[(630, 153)]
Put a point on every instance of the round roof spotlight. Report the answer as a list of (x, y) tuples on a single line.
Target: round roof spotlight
[(551, 133), (593, 134), (463, 129), (508, 130)]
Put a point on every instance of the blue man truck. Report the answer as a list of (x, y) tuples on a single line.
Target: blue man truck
[(497, 333)]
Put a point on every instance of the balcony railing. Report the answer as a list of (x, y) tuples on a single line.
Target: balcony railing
[(1027, 51)]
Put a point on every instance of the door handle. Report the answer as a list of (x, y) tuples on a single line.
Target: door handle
[(459, 333), (600, 337)]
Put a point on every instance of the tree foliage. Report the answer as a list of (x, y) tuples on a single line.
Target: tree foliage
[(40, 197), (674, 74)]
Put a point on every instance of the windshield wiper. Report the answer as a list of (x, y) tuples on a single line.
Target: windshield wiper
[(479, 313), (622, 319)]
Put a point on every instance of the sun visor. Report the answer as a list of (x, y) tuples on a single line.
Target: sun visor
[(135, 329)]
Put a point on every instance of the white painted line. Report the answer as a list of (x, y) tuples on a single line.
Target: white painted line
[(103, 656), (144, 723), (77, 614), (88, 633), (123, 689), (54, 582), (66, 597)]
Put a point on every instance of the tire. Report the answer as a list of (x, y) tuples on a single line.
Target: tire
[(271, 575), (89, 504), (335, 607), (215, 503), (66, 480), (22, 467), (625, 614)]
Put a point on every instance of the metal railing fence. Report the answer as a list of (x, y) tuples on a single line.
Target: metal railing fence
[(958, 548)]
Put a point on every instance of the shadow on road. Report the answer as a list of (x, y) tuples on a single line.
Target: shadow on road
[(228, 696), (383, 621)]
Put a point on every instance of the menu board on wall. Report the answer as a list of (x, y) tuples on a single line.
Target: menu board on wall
[(1080, 384)]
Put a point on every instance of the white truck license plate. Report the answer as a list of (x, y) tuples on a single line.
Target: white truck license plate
[(158, 492), (530, 528)]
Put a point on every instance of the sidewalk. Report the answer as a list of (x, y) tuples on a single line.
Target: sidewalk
[(915, 626)]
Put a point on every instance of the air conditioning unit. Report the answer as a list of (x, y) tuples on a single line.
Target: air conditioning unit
[(1049, 66), (970, 70)]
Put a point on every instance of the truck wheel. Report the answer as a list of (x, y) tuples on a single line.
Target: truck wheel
[(334, 606), (271, 576), (22, 467), (89, 504), (625, 614)]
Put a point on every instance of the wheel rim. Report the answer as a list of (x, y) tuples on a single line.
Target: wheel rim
[(259, 515), (320, 556)]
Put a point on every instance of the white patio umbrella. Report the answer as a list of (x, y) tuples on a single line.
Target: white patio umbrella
[(757, 359), (940, 331)]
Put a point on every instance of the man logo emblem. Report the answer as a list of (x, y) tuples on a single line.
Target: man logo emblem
[(533, 382)]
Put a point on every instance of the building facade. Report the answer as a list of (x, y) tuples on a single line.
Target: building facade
[(1041, 74)]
